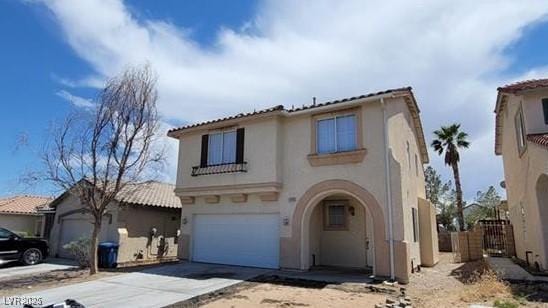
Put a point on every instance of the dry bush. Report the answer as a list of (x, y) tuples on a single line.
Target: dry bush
[(484, 284)]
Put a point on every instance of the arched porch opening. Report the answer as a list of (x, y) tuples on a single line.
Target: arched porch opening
[(340, 233), (363, 202)]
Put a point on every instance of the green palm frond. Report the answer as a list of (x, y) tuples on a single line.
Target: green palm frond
[(448, 139)]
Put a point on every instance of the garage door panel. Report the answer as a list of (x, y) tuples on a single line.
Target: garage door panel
[(247, 240), (72, 229)]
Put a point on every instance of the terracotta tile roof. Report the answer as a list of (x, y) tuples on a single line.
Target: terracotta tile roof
[(238, 116), (350, 99), (524, 85), (282, 108), (151, 194), (23, 204), (540, 139)]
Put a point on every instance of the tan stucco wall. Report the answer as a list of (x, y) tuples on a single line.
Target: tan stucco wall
[(521, 176), (276, 150), (428, 233), (134, 227), (21, 223), (70, 203), (263, 132), (407, 177), (532, 108), (346, 248), (129, 226)]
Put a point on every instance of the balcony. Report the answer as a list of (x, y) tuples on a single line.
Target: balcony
[(219, 169)]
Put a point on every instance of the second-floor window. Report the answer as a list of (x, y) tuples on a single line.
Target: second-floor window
[(336, 134), (222, 148)]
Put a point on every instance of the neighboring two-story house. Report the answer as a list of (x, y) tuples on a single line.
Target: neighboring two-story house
[(338, 184), (522, 140)]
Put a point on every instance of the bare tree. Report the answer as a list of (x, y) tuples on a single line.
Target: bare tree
[(96, 155)]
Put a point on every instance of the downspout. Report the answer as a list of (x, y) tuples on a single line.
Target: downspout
[(388, 187)]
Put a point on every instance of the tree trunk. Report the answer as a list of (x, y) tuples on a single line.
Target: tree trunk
[(93, 260), (458, 188)]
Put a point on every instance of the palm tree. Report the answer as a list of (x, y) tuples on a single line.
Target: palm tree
[(450, 139)]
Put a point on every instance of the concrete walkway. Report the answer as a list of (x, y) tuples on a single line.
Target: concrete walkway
[(14, 269), (509, 270), (153, 287)]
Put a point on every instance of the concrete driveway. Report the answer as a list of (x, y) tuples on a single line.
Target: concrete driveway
[(12, 269), (153, 287)]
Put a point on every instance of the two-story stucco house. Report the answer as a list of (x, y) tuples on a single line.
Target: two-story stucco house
[(339, 184), (522, 140)]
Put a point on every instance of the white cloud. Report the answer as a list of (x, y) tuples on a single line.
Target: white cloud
[(75, 100), (451, 52)]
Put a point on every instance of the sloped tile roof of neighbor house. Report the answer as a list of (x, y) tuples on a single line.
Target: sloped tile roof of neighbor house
[(280, 109), (524, 85), (150, 193), (540, 139), (26, 205)]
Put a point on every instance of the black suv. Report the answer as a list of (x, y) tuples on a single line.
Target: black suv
[(16, 248)]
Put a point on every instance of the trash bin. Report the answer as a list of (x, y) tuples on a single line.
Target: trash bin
[(107, 254)]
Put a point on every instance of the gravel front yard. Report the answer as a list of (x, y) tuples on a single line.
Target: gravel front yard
[(273, 295)]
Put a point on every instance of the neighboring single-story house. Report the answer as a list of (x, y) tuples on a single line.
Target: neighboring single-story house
[(21, 214), (339, 184), (144, 220)]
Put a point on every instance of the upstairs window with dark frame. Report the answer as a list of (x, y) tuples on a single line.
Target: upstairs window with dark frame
[(221, 148), (545, 110), (336, 134)]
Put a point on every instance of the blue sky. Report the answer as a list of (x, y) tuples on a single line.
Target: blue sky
[(232, 56)]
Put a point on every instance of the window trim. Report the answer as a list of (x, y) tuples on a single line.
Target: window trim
[(544, 106), (415, 222), (222, 133), (337, 158), (522, 136), (329, 203), (337, 145)]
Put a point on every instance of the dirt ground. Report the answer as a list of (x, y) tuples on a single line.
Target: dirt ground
[(274, 295), (451, 284), (36, 282), (445, 285)]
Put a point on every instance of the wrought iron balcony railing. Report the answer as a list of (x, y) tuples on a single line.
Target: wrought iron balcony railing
[(220, 168)]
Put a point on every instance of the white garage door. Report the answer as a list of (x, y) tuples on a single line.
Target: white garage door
[(243, 239)]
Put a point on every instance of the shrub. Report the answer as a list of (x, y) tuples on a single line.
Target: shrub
[(505, 304), (80, 250)]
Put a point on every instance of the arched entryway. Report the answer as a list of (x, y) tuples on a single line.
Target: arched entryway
[(542, 203), (340, 233), (360, 197)]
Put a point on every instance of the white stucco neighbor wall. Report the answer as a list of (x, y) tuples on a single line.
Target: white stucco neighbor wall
[(522, 173)]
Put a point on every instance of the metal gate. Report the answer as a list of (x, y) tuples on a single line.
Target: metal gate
[(498, 237)]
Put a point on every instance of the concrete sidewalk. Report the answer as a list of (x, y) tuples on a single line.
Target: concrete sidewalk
[(509, 270), (153, 287), (14, 269)]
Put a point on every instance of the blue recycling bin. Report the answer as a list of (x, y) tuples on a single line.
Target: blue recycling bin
[(107, 254)]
